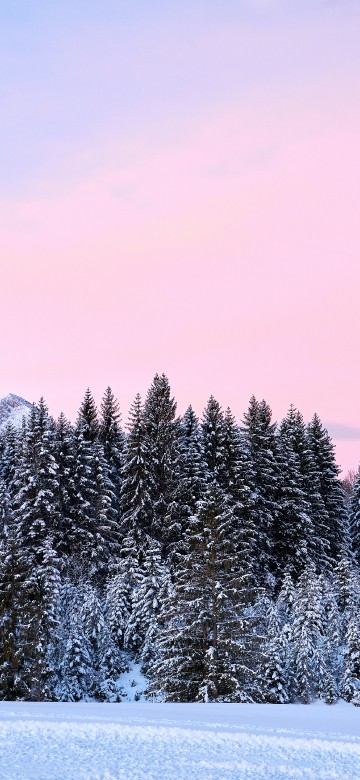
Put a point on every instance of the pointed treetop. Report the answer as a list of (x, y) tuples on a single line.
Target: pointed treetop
[(87, 420)]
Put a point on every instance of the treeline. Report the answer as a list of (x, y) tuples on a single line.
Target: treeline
[(222, 557)]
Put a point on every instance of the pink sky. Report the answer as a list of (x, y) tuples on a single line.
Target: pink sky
[(214, 237)]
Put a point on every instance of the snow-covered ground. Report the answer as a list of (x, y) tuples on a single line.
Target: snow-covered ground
[(178, 741)]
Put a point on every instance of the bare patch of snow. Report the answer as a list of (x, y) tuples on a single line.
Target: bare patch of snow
[(58, 741), (132, 683)]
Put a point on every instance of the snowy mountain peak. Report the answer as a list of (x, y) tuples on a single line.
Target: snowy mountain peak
[(12, 410)]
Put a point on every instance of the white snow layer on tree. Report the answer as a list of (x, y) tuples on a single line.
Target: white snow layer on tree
[(58, 741)]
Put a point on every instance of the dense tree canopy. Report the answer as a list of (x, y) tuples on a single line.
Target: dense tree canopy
[(221, 557)]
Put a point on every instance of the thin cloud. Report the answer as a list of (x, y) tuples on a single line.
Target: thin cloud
[(343, 432)]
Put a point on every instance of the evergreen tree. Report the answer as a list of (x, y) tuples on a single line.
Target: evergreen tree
[(329, 651), (104, 655), (307, 631), (137, 485), (206, 650), (317, 537), (260, 441), (37, 495), (350, 683), (118, 605), (213, 435), (37, 515), (161, 430), (238, 487), (8, 464), (276, 656), (151, 590), (293, 537), (355, 519), (189, 483), (9, 617), (331, 489), (65, 460), (87, 420), (113, 440), (76, 669), (351, 678), (93, 531)]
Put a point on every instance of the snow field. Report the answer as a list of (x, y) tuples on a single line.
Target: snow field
[(178, 741)]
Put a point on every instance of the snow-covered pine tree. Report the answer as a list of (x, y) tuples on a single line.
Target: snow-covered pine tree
[(76, 672), (37, 515), (36, 484), (307, 633), (150, 593), (93, 528), (213, 441), (137, 488), (207, 649), (330, 644), (93, 621), (8, 463), (189, 483), (345, 583), (276, 674), (105, 658), (293, 537), (161, 430), (9, 616), (123, 582), (94, 523), (112, 438), (106, 548), (117, 605), (350, 683), (88, 421), (286, 598), (355, 519), (238, 487), (191, 461), (65, 460), (350, 686), (261, 448), (296, 434), (331, 490)]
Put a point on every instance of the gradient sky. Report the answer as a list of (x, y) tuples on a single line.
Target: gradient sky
[(180, 192)]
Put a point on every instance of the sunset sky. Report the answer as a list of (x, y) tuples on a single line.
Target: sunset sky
[(180, 193)]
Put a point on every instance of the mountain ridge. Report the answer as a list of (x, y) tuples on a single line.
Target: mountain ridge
[(13, 408)]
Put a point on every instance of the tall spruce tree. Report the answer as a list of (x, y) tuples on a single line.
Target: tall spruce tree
[(207, 649), (8, 465), (307, 632), (260, 441), (161, 429), (37, 511), (293, 539), (112, 438), (65, 460), (137, 486), (332, 492), (87, 420), (213, 436), (293, 428), (147, 597), (276, 685), (355, 519), (189, 483), (93, 529), (237, 484)]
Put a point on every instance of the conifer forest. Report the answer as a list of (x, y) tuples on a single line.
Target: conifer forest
[(222, 556)]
